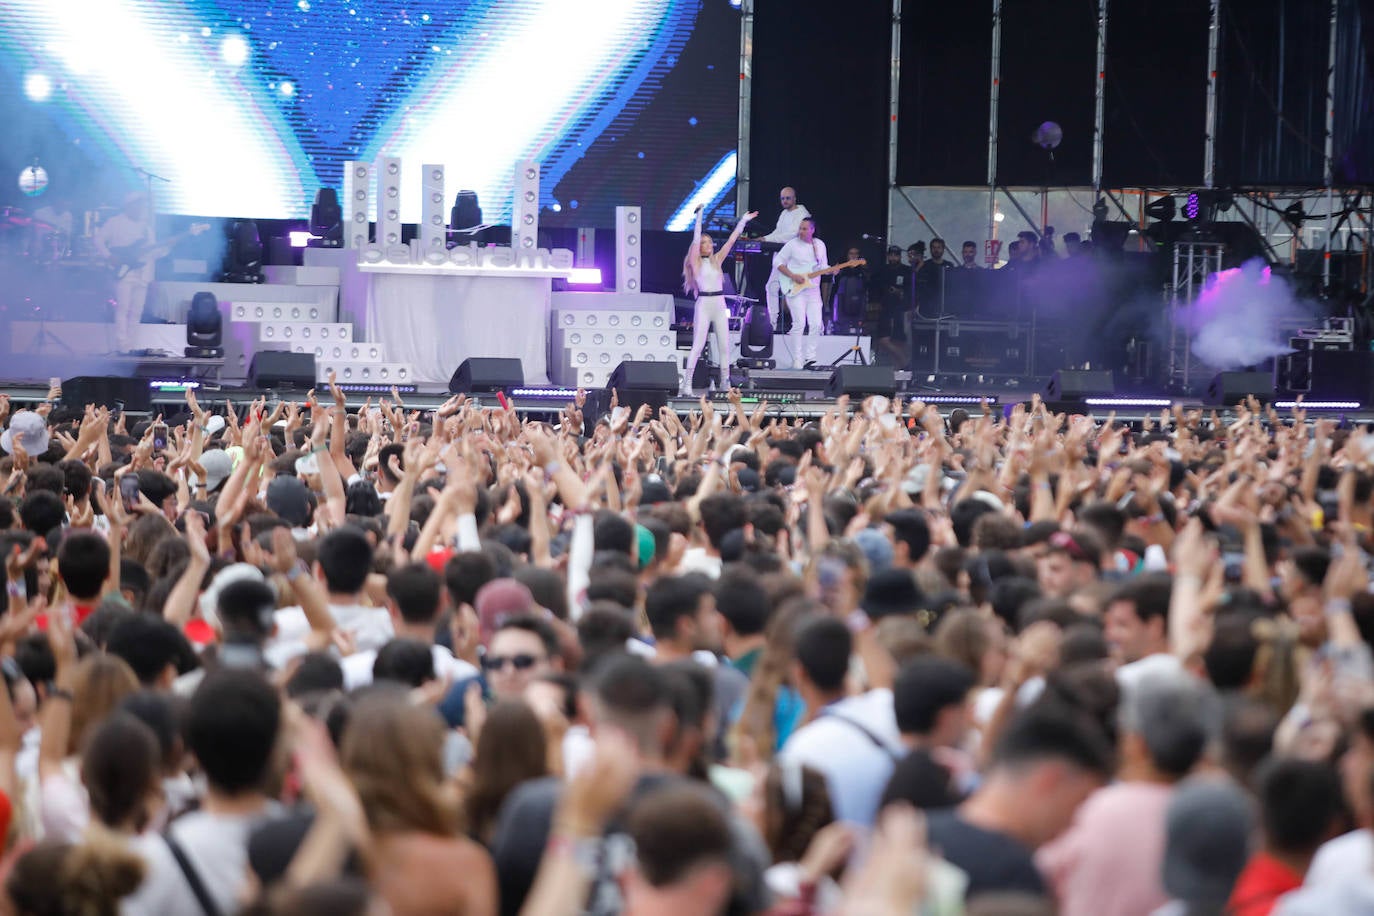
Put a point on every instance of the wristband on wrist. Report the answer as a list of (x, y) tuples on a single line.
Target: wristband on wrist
[(16, 589), (1334, 606)]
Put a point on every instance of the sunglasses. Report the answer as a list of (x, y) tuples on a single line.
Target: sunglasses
[(521, 662)]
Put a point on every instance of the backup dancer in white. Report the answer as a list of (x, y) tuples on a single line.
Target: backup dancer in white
[(701, 277)]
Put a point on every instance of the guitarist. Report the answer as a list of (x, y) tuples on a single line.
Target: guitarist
[(131, 226), (804, 254)]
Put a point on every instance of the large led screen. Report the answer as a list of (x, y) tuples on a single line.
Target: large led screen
[(247, 107)]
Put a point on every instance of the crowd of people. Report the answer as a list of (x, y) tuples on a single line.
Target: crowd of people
[(333, 658)]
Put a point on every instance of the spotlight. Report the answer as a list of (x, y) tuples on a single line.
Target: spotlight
[(466, 217), (326, 220), (243, 256), (204, 328), (1164, 209), (1192, 210), (1295, 215)]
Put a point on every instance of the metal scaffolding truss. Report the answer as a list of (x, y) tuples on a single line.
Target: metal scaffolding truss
[(1194, 262)]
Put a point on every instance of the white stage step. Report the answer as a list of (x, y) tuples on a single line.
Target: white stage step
[(305, 332), (660, 341), (574, 363), (278, 311), (612, 319), (371, 372), (350, 352)]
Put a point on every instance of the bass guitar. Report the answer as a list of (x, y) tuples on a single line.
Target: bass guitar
[(131, 257), (788, 286)]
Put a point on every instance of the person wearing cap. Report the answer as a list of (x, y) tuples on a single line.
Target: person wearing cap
[(1111, 859), (217, 465), (30, 430), (131, 226), (291, 501), (1207, 829), (892, 287)]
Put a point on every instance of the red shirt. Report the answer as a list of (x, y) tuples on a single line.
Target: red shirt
[(79, 614), (1264, 880)]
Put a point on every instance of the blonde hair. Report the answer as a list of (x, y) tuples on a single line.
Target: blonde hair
[(99, 683), (393, 752), (689, 266)]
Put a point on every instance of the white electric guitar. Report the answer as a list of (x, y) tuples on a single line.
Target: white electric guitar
[(790, 286)]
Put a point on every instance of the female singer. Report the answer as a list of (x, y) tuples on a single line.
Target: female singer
[(701, 277)]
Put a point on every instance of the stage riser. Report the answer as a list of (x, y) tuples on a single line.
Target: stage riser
[(658, 341), (612, 320)]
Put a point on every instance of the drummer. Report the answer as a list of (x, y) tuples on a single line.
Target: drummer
[(56, 214)]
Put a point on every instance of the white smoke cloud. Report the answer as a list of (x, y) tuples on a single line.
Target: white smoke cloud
[(1242, 315)]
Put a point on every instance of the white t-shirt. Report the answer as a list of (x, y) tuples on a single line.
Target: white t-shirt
[(697, 560), (855, 743), (788, 223), (1349, 855), (357, 668), (217, 846), (370, 628), (803, 257), (1131, 673)]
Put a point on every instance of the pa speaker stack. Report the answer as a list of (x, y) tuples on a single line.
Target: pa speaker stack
[(639, 382), (487, 374), (1228, 389), (862, 381), (282, 369), (112, 391), (1074, 386)]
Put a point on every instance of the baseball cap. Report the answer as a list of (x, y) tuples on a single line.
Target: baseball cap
[(31, 430), (1207, 840), (877, 549), (289, 499), (499, 600), (218, 465)]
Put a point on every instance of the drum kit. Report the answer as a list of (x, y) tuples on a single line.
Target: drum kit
[(49, 264), (25, 238)]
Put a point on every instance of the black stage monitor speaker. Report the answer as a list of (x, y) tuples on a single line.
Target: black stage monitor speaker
[(1078, 384), (282, 369), (862, 381), (639, 382), (1230, 388), (487, 373), (644, 374), (108, 391)]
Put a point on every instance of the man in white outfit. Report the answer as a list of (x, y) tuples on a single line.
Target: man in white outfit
[(789, 220), (133, 225), (799, 257)]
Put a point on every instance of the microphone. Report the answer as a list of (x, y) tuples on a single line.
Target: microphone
[(872, 237)]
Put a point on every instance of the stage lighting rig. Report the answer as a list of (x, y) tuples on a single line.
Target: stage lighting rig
[(243, 256), (326, 220), (204, 328)]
